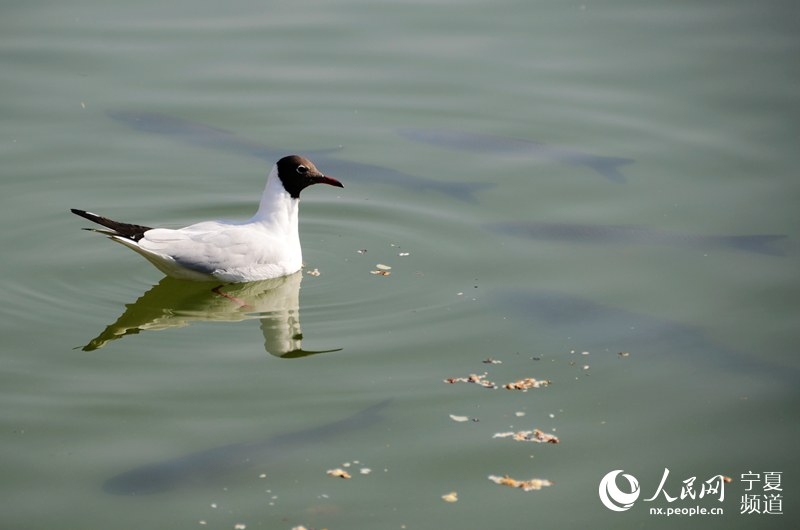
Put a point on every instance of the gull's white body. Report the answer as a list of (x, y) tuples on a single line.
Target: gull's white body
[(264, 247)]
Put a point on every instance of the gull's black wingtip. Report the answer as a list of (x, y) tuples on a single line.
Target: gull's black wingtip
[(127, 230), (86, 215)]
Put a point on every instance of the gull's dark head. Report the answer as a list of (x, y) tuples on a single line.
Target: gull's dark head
[(297, 173)]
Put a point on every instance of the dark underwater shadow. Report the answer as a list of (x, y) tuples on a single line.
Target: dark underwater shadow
[(605, 166), (212, 137), (210, 466), (599, 327), (765, 244)]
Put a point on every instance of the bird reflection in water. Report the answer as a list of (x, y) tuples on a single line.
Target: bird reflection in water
[(173, 303)]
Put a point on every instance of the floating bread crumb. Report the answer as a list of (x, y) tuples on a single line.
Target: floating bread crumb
[(529, 436), (525, 485), (338, 472)]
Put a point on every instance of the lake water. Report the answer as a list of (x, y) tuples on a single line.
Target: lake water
[(471, 138)]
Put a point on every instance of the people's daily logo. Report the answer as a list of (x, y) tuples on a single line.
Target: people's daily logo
[(613, 497), (762, 494)]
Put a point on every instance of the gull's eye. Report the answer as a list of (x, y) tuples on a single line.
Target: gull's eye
[(302, 170)]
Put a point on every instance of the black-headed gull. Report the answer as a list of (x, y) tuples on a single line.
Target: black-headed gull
[(264, 247)]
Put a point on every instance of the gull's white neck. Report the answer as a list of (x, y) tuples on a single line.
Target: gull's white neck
[(277, 209)]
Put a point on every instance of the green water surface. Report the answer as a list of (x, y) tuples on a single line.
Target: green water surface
[(107, 369)]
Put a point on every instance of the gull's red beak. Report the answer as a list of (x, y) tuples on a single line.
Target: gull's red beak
[(324, 179)]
